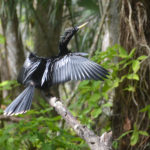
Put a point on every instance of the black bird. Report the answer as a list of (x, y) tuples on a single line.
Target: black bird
[(40, 72)]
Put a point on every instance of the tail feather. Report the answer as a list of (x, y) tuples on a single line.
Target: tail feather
[(22, 103)]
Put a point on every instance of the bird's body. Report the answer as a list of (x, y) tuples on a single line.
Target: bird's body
[(42, 73), (33, 71)]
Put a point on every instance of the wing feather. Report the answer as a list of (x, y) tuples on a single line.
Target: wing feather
[(30, 65), (74, 76), (80, 69), (77, 67), (91, 73), (94, 71)]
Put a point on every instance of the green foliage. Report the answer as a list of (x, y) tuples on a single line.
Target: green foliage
[(40, 129), (135, 133), (93, 93), (135, 66), (146, 109), (94, 96), (38, 132), (8, 85)]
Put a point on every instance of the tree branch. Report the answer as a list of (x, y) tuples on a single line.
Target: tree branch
[(10, 118), (95, 142)]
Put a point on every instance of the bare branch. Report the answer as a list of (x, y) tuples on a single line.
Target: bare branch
[(10, 118), (95, 142)]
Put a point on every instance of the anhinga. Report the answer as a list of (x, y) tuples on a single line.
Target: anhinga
[(40, 72)]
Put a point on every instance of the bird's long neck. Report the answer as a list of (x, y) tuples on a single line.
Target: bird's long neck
[(65, 40)]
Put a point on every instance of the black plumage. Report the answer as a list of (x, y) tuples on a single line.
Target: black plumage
[(40, 72)]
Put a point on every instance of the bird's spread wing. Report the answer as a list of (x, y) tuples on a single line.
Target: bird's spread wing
[(76, 67), (30, 65)]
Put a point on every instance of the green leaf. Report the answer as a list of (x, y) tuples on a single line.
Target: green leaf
[(133, 76), (8, 84), (134, 138), (83, 83), (142, 57), (143, 133), (96, 96), (96, 112), (115, 144), (132, 53), (125, 64), (135, 65), (123, 53), (130, 88), (116, 82), (147, 108), (124, 134), (107, 105), (85, 89), (96, 85)]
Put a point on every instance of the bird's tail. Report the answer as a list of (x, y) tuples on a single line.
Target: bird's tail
[(22, 103)]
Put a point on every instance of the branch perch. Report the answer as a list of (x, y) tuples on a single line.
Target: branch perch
[(10, 118), (95, 142)]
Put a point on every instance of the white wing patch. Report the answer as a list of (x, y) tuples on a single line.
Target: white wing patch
[(46, 74)]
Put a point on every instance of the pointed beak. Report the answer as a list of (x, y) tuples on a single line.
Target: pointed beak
[(81, 26)]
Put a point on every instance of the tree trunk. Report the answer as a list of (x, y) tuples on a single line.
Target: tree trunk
[(134, 33), (12, 55), (47, 30), (111, 28), (48, 27)]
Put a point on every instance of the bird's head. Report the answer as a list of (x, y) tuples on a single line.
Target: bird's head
[(67, 37)]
